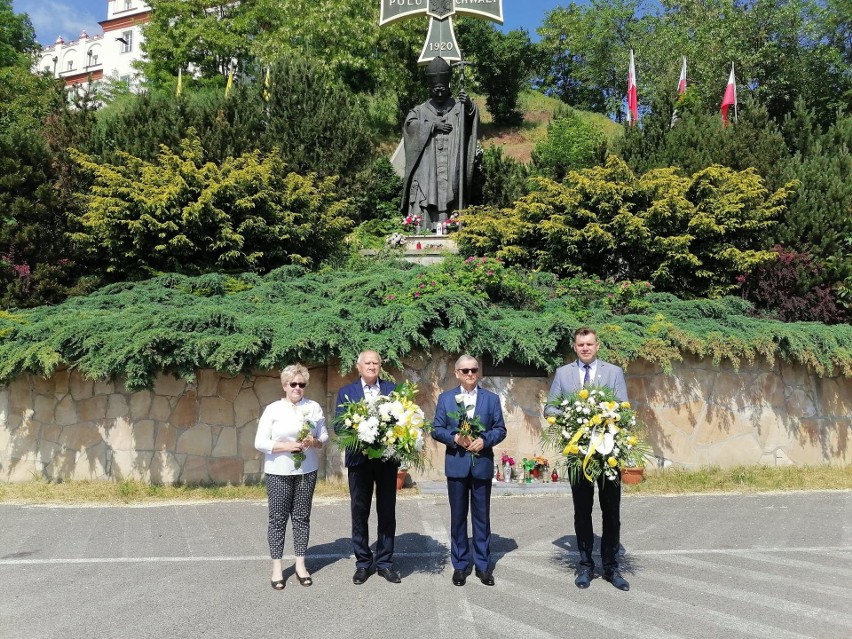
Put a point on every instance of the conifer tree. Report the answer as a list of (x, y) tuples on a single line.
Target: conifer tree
[(819, 220)]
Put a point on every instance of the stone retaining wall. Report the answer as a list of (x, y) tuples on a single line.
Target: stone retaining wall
[(67, 427)]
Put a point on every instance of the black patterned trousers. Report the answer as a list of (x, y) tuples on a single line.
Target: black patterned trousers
[(290, 497)]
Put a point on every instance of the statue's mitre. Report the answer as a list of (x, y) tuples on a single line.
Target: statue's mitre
[(439, 69)]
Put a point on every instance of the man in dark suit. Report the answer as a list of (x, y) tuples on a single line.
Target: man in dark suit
[(588, 370), (469, 467), (364, 474)]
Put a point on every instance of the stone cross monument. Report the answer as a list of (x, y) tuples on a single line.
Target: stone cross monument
[(441, 39)]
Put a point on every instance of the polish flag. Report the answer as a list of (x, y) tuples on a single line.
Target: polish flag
[(681, 83), (730, 97), (632, 100)]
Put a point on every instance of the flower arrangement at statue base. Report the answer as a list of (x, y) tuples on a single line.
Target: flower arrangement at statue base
[(412, 223), (596, 434), (390, 427)]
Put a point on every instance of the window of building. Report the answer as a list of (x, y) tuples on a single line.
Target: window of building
[(70, 65), (126, 41), (127, 4)]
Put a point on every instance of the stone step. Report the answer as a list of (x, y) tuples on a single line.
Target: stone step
[(428, 249), (425, 249)]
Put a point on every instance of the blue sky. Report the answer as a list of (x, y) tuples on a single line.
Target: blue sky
[(68, 18)]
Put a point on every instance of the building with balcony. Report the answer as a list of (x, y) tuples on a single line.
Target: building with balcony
[(108, 55)]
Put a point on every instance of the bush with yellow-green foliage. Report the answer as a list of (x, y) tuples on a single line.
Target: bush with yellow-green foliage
[(182, 214), (688, 235)]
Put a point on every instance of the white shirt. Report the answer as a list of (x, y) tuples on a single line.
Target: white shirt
[(281, 421), (469, 400), (371, 392), (593, 369)]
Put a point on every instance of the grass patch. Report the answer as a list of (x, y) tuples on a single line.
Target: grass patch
[(136, 492), (744, 479), (538, 109)]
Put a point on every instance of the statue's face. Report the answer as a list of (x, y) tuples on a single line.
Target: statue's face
[(439, 91)]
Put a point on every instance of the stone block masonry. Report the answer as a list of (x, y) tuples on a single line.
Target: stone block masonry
[(68, 427)]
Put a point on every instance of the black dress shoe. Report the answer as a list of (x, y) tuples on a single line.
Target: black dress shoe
[(361, 575), (485, 577), (583, 578), (390, 574), (460, 576), (614, 577)]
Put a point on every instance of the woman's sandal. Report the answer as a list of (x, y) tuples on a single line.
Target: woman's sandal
[(305, 581), (278, 585)]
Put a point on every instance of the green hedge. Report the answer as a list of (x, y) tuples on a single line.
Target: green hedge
[(180, 324)]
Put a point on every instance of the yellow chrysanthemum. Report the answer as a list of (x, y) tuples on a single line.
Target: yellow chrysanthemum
[(551, 420), (571, 449), (625, 404), (631, 440), (399, 431), (583, 394), (612, 461), (595, 420)]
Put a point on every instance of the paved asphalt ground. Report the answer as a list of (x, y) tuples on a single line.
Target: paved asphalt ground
[(774, 566)]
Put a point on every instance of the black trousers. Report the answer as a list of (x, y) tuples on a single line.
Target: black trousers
[(362, 479), (609, 496)]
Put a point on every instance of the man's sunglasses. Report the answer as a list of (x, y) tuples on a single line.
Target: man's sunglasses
[(467, 371)]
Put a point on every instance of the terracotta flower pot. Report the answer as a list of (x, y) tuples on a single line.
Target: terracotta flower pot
[(401, 476), (632, 475)]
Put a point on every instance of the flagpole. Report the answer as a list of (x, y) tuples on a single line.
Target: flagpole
[(735, 92)]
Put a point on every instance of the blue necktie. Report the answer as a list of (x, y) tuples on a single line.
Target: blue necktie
[(586, 376)]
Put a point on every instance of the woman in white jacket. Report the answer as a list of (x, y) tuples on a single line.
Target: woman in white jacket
[(290, 433)]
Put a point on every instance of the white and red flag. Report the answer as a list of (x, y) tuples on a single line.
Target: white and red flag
[(730, 97), (632, 99), (681, 83)]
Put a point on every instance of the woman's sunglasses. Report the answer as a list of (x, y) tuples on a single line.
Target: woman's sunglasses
[(299, 384)]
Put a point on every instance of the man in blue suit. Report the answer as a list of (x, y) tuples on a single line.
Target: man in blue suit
[(588, 370), (469, 467), (364, 474)]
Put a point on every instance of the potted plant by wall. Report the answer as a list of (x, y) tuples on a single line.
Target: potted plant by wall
[(633, 470), (401, 477)]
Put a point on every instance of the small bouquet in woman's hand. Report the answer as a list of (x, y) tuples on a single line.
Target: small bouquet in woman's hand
[(304, 431), (469, 427)]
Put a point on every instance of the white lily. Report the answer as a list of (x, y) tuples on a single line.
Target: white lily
[(606, 444)]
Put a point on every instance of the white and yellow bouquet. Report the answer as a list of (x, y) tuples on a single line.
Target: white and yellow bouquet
[(388, 427), (596, 433)]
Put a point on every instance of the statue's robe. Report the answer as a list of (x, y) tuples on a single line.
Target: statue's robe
[(433, 160)]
